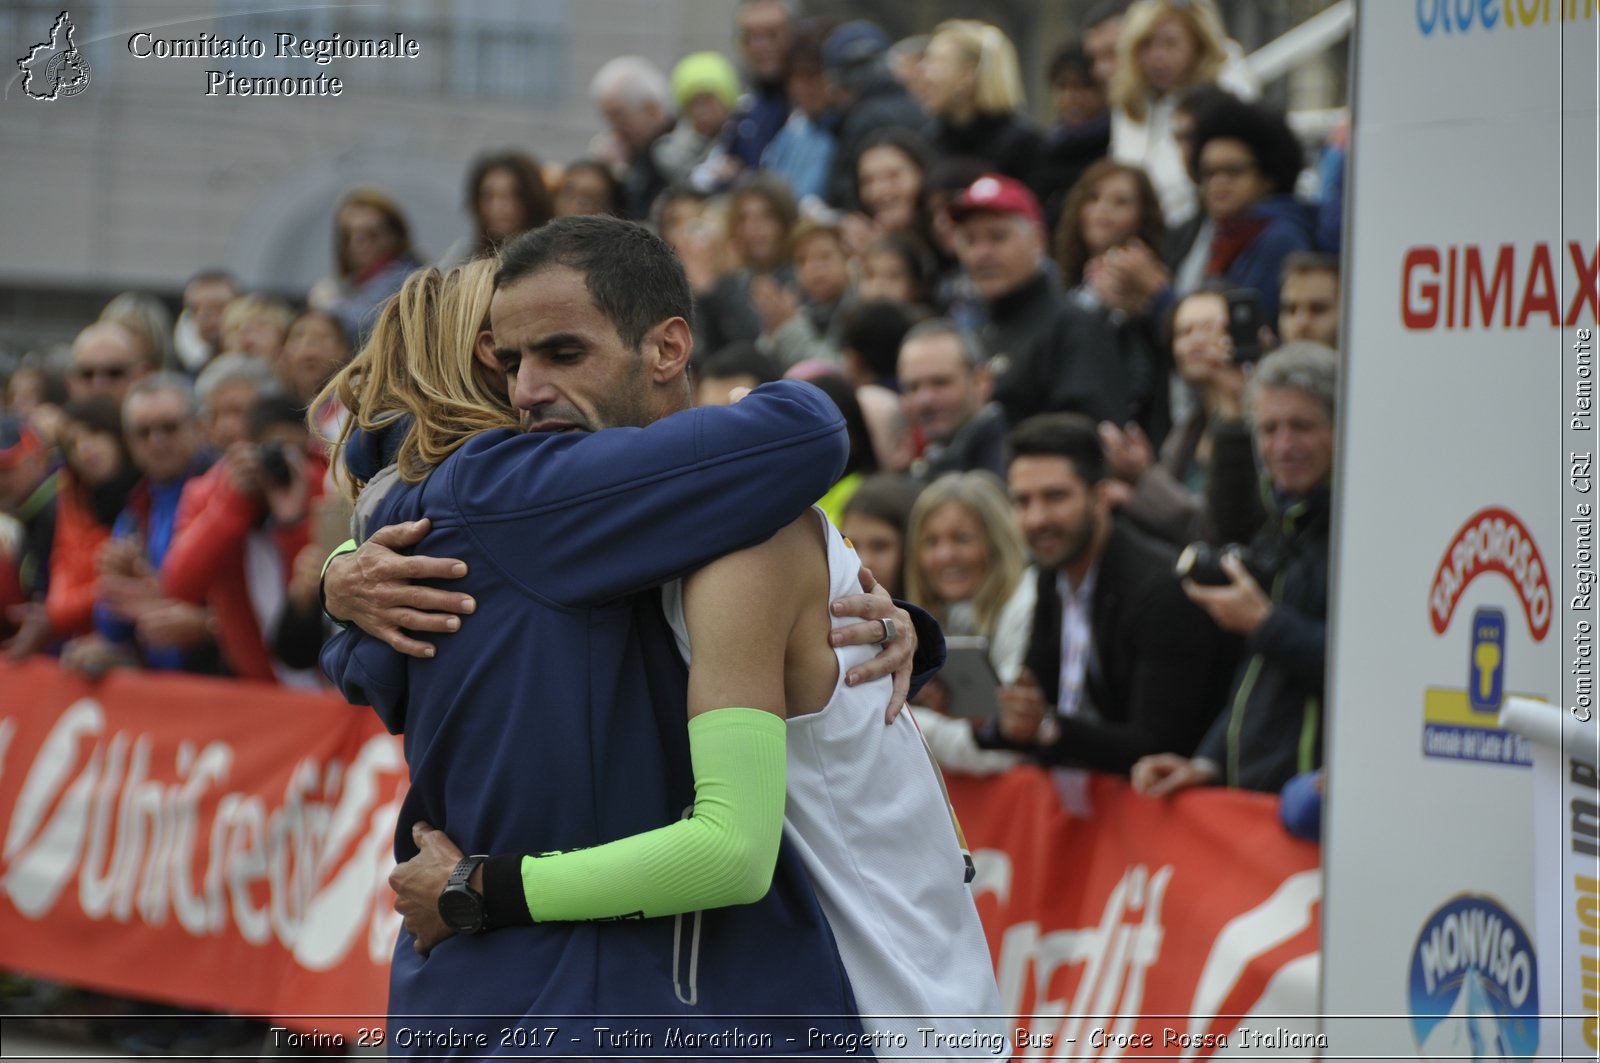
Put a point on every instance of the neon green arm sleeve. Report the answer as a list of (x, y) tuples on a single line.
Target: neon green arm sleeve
[(723, 854), (346, 547)]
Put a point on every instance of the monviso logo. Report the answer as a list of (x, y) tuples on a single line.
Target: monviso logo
[(1474, 984), (55, 68)]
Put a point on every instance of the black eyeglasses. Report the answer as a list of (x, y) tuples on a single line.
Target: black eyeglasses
[(1231, 170), (111, 373), (145, 431)]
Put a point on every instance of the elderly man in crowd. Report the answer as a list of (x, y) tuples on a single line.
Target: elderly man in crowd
[(1271, 728), (635, 100), (944, 391)]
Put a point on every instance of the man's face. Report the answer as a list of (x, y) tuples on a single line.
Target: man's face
[(161, 435), (1060, 515), (632, 123), (105, 363), (566, 367), (938, 390), (764, 39), (1000, 252), (1100, 43), (227, 413), (1308, 307), (1294, 435), (205, 301)]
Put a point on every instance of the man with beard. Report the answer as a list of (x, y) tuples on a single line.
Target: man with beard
[(556, 717), (1120, 664)]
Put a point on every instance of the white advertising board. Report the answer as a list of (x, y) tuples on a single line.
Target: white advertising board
[(1464, 547)]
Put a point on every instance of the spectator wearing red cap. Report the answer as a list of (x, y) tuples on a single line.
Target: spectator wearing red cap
[(1000, 242), (1043, 347)]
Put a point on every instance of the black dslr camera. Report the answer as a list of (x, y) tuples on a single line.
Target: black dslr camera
[(275, 464), (1202, 563)]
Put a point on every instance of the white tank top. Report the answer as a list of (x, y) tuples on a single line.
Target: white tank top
[(868, 813)]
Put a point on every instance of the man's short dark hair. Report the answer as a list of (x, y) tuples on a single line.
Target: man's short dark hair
[(275, 409), (1062, 435), (738, 359), (634, 278), (1104, 11), (1070, 61), (1308, 262), (875, 329)]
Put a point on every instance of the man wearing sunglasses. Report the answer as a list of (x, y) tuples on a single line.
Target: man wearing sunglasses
[(135, 623), (106, 361)]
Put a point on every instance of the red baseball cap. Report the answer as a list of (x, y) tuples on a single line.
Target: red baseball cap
[(997, 194)]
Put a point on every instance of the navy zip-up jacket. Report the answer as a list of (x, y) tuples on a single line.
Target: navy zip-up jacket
[(556, 719)]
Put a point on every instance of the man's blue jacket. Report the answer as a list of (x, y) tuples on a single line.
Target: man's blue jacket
[(556, 719)]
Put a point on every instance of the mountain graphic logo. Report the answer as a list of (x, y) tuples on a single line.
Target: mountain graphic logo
[(55, 69), (1474, 988)]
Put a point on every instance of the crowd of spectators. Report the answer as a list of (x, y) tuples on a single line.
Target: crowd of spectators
[(1048, 342)]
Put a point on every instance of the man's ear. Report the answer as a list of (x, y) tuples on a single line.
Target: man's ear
[(668, 347), (983, 381), (1102, 493), (483, 352)]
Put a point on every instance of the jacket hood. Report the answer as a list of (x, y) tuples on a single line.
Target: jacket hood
[(367, 453)]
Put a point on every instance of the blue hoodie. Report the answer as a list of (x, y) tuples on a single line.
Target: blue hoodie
[(556, 719), (1260, 264)]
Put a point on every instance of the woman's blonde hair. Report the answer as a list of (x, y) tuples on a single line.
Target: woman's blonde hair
[(1129, 93), (149, 320), (978, 493), (994, 57), (420, 362)]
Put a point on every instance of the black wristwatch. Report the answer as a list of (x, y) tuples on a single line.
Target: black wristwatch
[(460, 906)]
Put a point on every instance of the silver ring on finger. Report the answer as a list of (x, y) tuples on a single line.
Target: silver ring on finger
[(889, 632)]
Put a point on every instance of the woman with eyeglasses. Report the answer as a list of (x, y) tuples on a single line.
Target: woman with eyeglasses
[(1247, 161)]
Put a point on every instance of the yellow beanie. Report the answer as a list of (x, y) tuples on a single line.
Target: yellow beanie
[(705, 72)]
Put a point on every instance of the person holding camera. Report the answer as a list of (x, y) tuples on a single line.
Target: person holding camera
[(248, 525), (1273, 593)]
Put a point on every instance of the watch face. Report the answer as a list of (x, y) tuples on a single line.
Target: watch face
[(461, 911)]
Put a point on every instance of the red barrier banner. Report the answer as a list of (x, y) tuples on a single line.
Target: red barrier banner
[(208, 843), (225, 845), (1158, 928)]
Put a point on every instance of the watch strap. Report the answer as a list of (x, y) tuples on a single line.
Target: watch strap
[(504, 902)]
